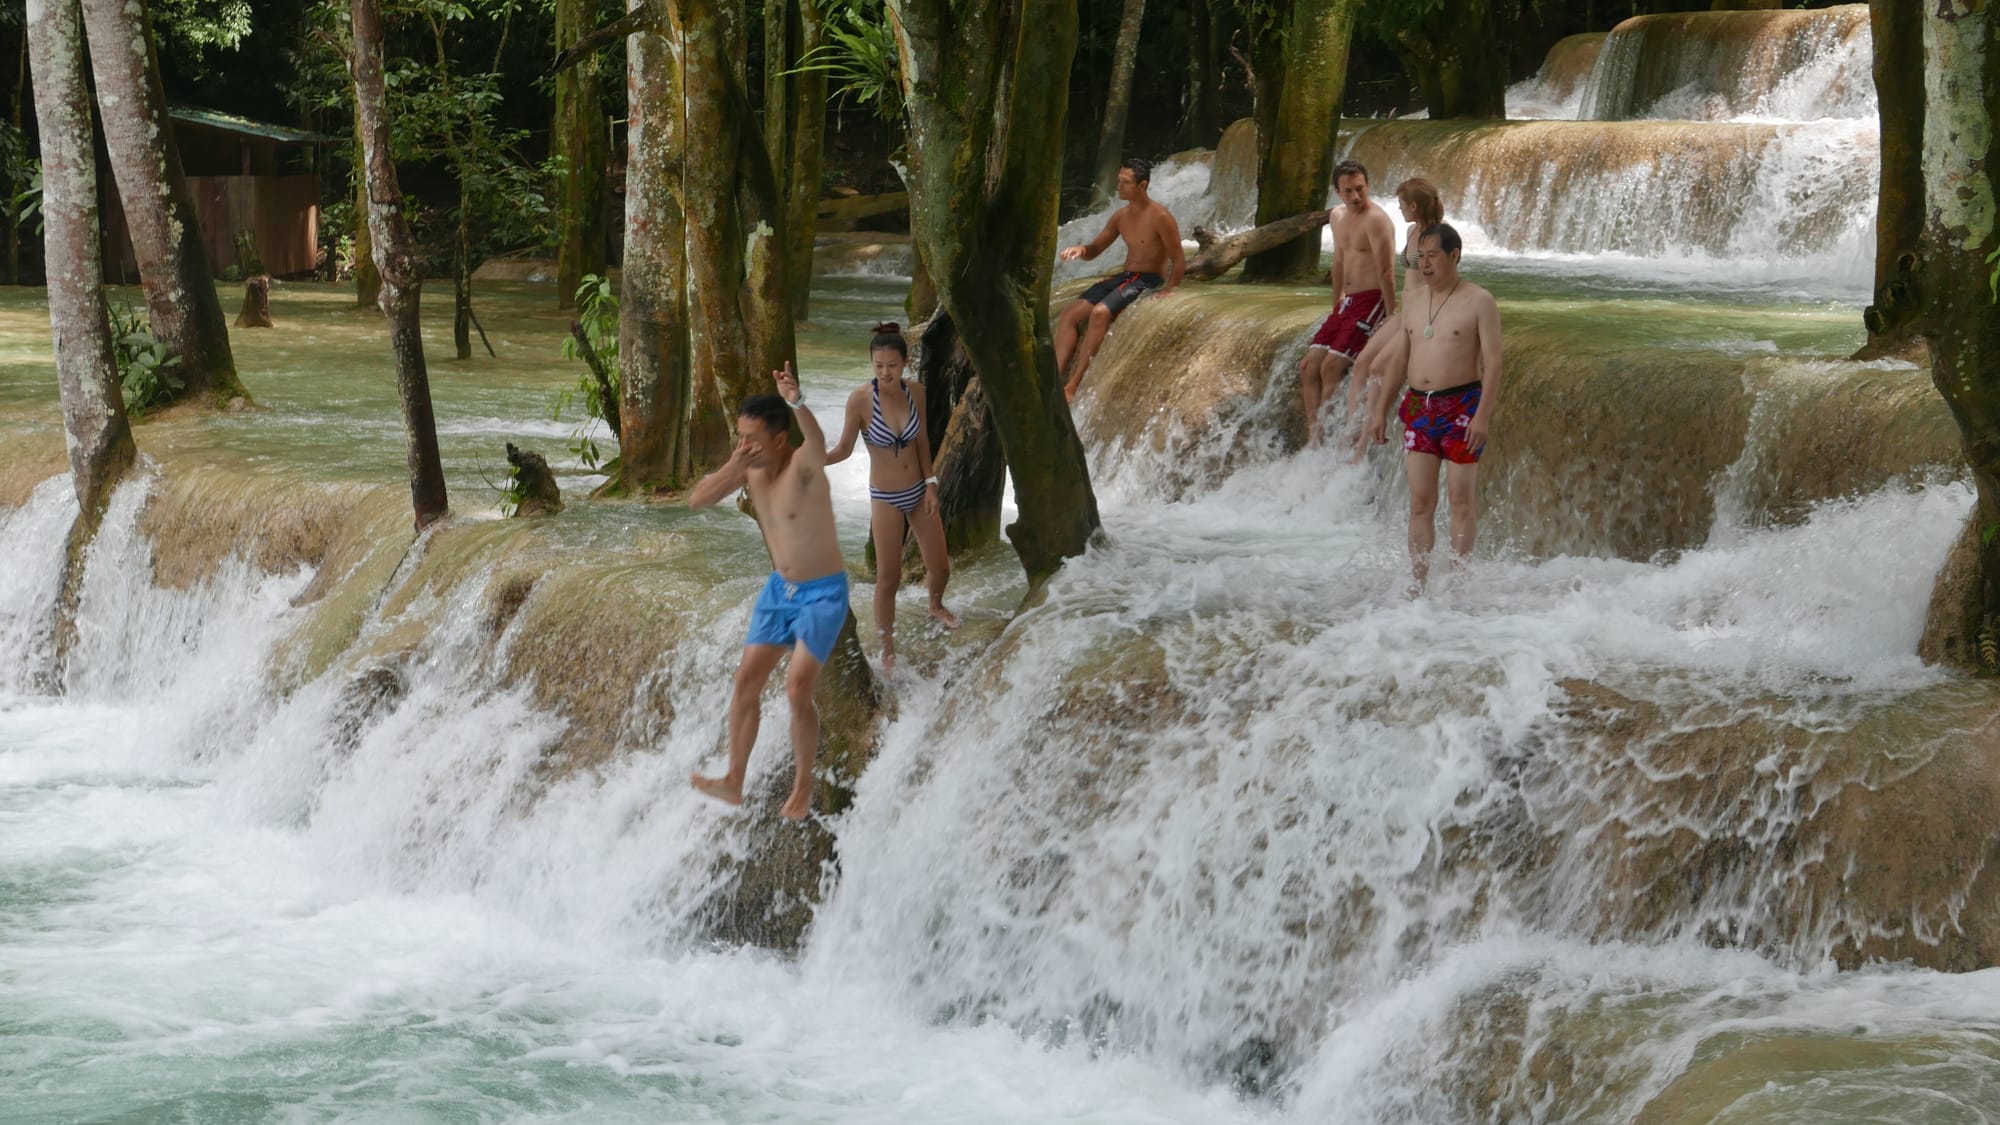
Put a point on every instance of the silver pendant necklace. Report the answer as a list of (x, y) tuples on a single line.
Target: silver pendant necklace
[(1428, 330)]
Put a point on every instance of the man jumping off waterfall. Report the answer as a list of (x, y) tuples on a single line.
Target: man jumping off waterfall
[(804, 605), (1364, 295), (1452, 345), (1152, 240)]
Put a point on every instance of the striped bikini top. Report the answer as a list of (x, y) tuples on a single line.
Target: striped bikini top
[(878, 432)]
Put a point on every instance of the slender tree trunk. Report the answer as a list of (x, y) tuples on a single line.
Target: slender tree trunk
[(12, 184), (461, 275), (159, 209), (1118, 103), (1295, 152), (577, 136), (655, 387), (1959, 253), (806, 139), (395, 261), (99, 436), (1457, 66), (986, 90), (1200, 120), (367, 279), (1898, 27)]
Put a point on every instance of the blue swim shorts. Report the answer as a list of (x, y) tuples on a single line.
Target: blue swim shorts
[(812, 612)]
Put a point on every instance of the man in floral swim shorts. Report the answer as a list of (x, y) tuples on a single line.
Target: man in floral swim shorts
[(1451, 348)]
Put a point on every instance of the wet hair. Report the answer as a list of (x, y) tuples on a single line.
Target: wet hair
[(1446, 235), (1141, 170), (889, 334), (1348, 168), (768, 409), (1422, 195)]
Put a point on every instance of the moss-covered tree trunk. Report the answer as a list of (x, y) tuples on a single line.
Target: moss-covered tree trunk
[(653, 372), (1302, 74), (986, 90), (971, 471), (159, 209), (1898, 32), (1117, 103), (577, 137), (795, 130), (1457, 58), (99, 436), (367, 279), (1959, 253), (738, 269), (396, 262)]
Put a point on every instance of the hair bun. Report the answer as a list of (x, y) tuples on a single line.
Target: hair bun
[(887, 328)]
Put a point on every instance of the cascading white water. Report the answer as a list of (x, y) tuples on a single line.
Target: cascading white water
[(1811, 66)]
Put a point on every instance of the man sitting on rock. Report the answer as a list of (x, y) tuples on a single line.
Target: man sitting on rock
[(1152, 241)]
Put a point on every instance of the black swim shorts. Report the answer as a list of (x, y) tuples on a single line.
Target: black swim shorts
[(1121, 289)]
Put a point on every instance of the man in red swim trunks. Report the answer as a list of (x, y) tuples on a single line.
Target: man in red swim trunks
[(1364, 295), (1452, 329)]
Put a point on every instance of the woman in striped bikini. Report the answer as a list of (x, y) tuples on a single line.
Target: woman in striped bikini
[(888, 416)]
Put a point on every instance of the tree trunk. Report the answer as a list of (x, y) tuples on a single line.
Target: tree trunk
[(1117, 103), (1898, 30), (1295, 150), (1200, 121), (971, 471), (737, 285), (367, 279), (1218, 254), (99, 436), (1453, 57), (159, 209), (805, 137), (653, 371), (986, 91), (1960, 248), (461, 276), (577, 136), (395, 261), (921, 301)]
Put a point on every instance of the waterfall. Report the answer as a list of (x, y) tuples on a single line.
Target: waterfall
[(1719, 66)]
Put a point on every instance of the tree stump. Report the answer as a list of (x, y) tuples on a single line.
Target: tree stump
[(534, 485), (256, 303)]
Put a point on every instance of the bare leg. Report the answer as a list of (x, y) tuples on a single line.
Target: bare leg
[(1458, 484), (937, 562), (800, 680), (1093, 335), (1067, 326), (1309, 392), (745, 711), (1332, 369), (886, 521), (1359, 401), (1423, 471)]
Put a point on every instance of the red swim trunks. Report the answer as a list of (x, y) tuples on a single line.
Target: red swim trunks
[(1355, 319), (1434, 422)]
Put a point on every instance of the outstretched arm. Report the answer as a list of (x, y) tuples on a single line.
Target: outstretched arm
[(1090, 250), (812, 443), (850, 428)]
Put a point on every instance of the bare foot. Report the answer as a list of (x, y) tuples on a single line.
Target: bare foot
[(721, 788), (888, 661), (949, 618), (798, 806), (1069, 394)]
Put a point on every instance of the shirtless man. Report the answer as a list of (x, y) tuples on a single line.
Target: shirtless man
[(1453, 347), (1364, 295), (803, 606), (1152, 241)]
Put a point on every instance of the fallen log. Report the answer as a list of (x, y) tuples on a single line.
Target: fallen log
[(1217, 255)]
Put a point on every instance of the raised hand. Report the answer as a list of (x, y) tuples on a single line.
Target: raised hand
[(788, 384)]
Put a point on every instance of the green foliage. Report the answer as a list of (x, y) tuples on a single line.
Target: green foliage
[(28, 204), (1993, 260), (859, 57), (145, 366), (194, 29), (597, 312)]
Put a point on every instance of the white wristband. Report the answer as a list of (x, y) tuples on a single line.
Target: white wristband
[(930, 480), (795, 405)]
